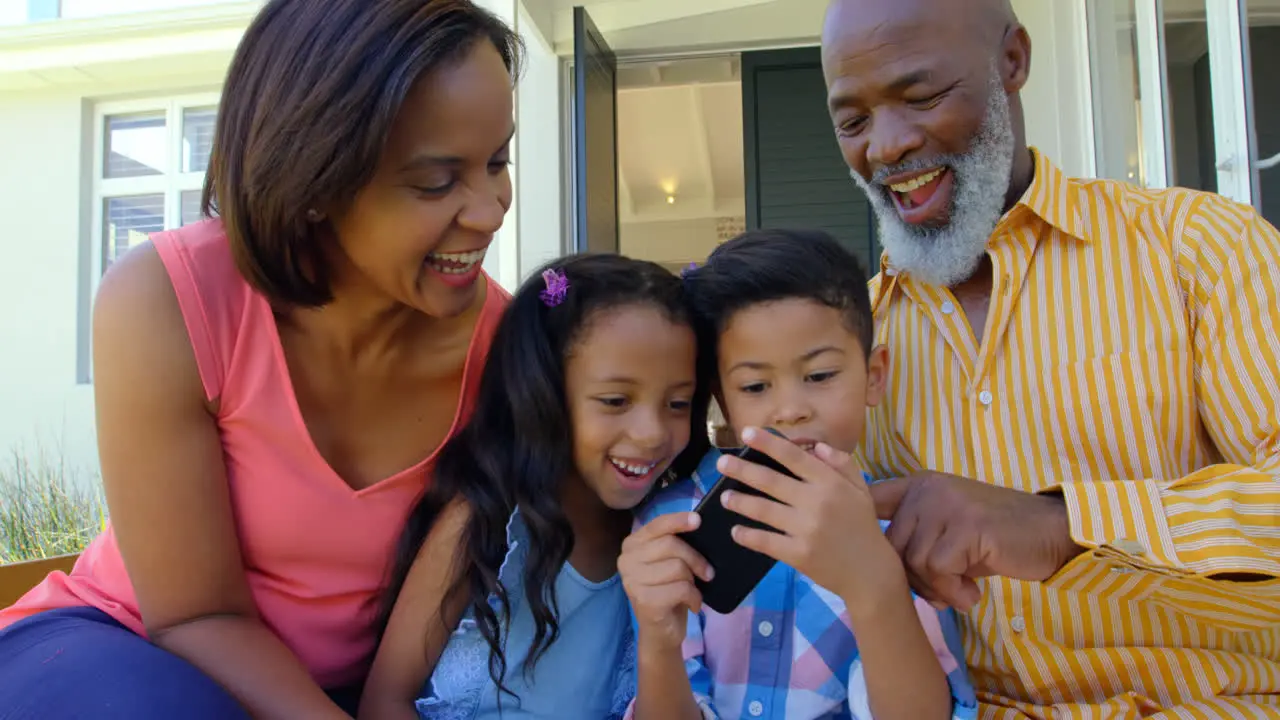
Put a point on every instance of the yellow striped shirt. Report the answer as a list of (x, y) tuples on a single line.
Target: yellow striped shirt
[(1132, 360)]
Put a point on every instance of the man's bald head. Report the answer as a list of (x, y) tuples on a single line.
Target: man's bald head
[(984, 21)]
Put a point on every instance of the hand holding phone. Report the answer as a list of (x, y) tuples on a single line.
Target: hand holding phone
[(658, 572), (822, 518), (737, 569)]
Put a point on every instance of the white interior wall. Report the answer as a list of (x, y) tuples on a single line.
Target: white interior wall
[(670, 241)]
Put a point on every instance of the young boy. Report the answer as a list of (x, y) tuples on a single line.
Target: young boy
[(787, 318)]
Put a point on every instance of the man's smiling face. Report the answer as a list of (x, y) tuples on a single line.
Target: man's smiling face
[(923, 118)]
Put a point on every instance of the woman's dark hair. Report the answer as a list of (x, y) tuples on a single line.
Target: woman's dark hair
[(305, 112), (762, 266), (517, 447)]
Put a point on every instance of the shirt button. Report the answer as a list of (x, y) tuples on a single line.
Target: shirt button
[(985, 397), (756, 708), (890, 272), (948, 307), (765, 628), (1017, 623)]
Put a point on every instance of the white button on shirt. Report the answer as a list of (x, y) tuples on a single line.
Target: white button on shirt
[(948, 307), (985, 397), (755, 708), (1017, 623), (765, 628)]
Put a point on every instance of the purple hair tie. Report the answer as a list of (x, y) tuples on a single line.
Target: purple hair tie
[(557, 287), (688, 269)]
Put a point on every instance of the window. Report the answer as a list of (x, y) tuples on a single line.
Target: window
[(149, 170)]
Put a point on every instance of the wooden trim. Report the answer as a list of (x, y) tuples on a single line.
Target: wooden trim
[(17, 578)]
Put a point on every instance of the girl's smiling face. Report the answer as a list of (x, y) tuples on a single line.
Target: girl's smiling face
[(630, 381)]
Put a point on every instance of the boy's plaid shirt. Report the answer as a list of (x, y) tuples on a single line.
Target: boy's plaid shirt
[(787, 651)]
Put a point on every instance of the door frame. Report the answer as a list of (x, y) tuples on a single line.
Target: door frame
[(567, 122)]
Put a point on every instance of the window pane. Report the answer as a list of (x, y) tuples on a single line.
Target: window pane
[(127, 221), (197, 137), (1190, 96), (135, 145), (189, 212)]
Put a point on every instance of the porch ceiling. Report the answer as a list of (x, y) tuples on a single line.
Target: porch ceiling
[(680, 135), (670, 26)]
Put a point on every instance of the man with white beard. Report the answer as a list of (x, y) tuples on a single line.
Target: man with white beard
[(1082, 425)]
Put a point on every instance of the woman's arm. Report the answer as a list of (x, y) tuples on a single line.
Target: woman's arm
[(426, 611), (166, 488)]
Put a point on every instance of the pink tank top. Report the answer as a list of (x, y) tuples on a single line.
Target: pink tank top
[(315, 551)]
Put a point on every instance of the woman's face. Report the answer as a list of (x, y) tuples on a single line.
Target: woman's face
[(418, 232)]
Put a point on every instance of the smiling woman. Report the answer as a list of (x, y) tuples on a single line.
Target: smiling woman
[(272, 385)]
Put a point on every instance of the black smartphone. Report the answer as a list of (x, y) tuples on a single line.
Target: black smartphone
[(738, 569)]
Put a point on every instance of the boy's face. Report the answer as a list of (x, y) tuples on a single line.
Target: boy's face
[(794, 365)]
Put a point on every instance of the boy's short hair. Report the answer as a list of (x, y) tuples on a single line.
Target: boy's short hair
[(762, 266)]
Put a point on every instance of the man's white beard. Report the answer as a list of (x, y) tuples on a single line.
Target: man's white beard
[(945, 256)]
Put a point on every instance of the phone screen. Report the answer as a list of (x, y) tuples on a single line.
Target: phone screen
[(738, 569)]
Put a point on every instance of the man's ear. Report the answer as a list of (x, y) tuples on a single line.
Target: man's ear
[(1015, 59), (877, 375)]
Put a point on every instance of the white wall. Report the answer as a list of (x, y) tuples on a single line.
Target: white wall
[(540, 161), (670, 241), (1056, 101), (42, 407), (533, 231)]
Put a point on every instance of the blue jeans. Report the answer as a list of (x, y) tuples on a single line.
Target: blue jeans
[(79, 663)]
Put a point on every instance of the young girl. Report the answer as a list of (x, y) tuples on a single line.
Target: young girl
[(505, 588)]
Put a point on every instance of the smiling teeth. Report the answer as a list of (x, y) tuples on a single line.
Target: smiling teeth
[(455, 263), (467, 257), (639, 470), (916, 183)]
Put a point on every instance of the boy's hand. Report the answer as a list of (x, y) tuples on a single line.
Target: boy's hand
[(826, 520), (658, 571)]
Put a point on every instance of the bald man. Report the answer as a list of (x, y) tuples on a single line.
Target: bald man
[(1082, 431)]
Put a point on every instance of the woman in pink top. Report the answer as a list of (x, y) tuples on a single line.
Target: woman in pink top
[(272, 386)]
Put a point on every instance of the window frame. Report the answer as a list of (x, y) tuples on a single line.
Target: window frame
[(171, 183)]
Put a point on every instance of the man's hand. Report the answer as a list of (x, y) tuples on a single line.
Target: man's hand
[(658, 570), (951, 530), (826, 520)]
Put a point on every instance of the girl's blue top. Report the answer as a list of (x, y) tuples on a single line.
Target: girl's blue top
[(588, 673)]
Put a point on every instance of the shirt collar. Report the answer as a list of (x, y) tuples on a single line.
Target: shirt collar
[(1055, 199), (1052, 198)]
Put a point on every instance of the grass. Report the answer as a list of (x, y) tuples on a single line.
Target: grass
[(46, 510)]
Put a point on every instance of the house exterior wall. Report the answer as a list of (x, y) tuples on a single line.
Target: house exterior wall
[(47, 140), (42, 406)]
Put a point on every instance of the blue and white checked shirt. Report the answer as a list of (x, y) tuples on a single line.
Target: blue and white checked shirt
[(788, 651)]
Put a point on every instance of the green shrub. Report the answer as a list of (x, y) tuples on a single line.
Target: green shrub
[(46, 509)]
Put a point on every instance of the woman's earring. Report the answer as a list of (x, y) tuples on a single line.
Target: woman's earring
[(314, 215)]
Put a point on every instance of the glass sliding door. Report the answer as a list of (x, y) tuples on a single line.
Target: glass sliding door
[(1263, 85), (1174, 98)]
